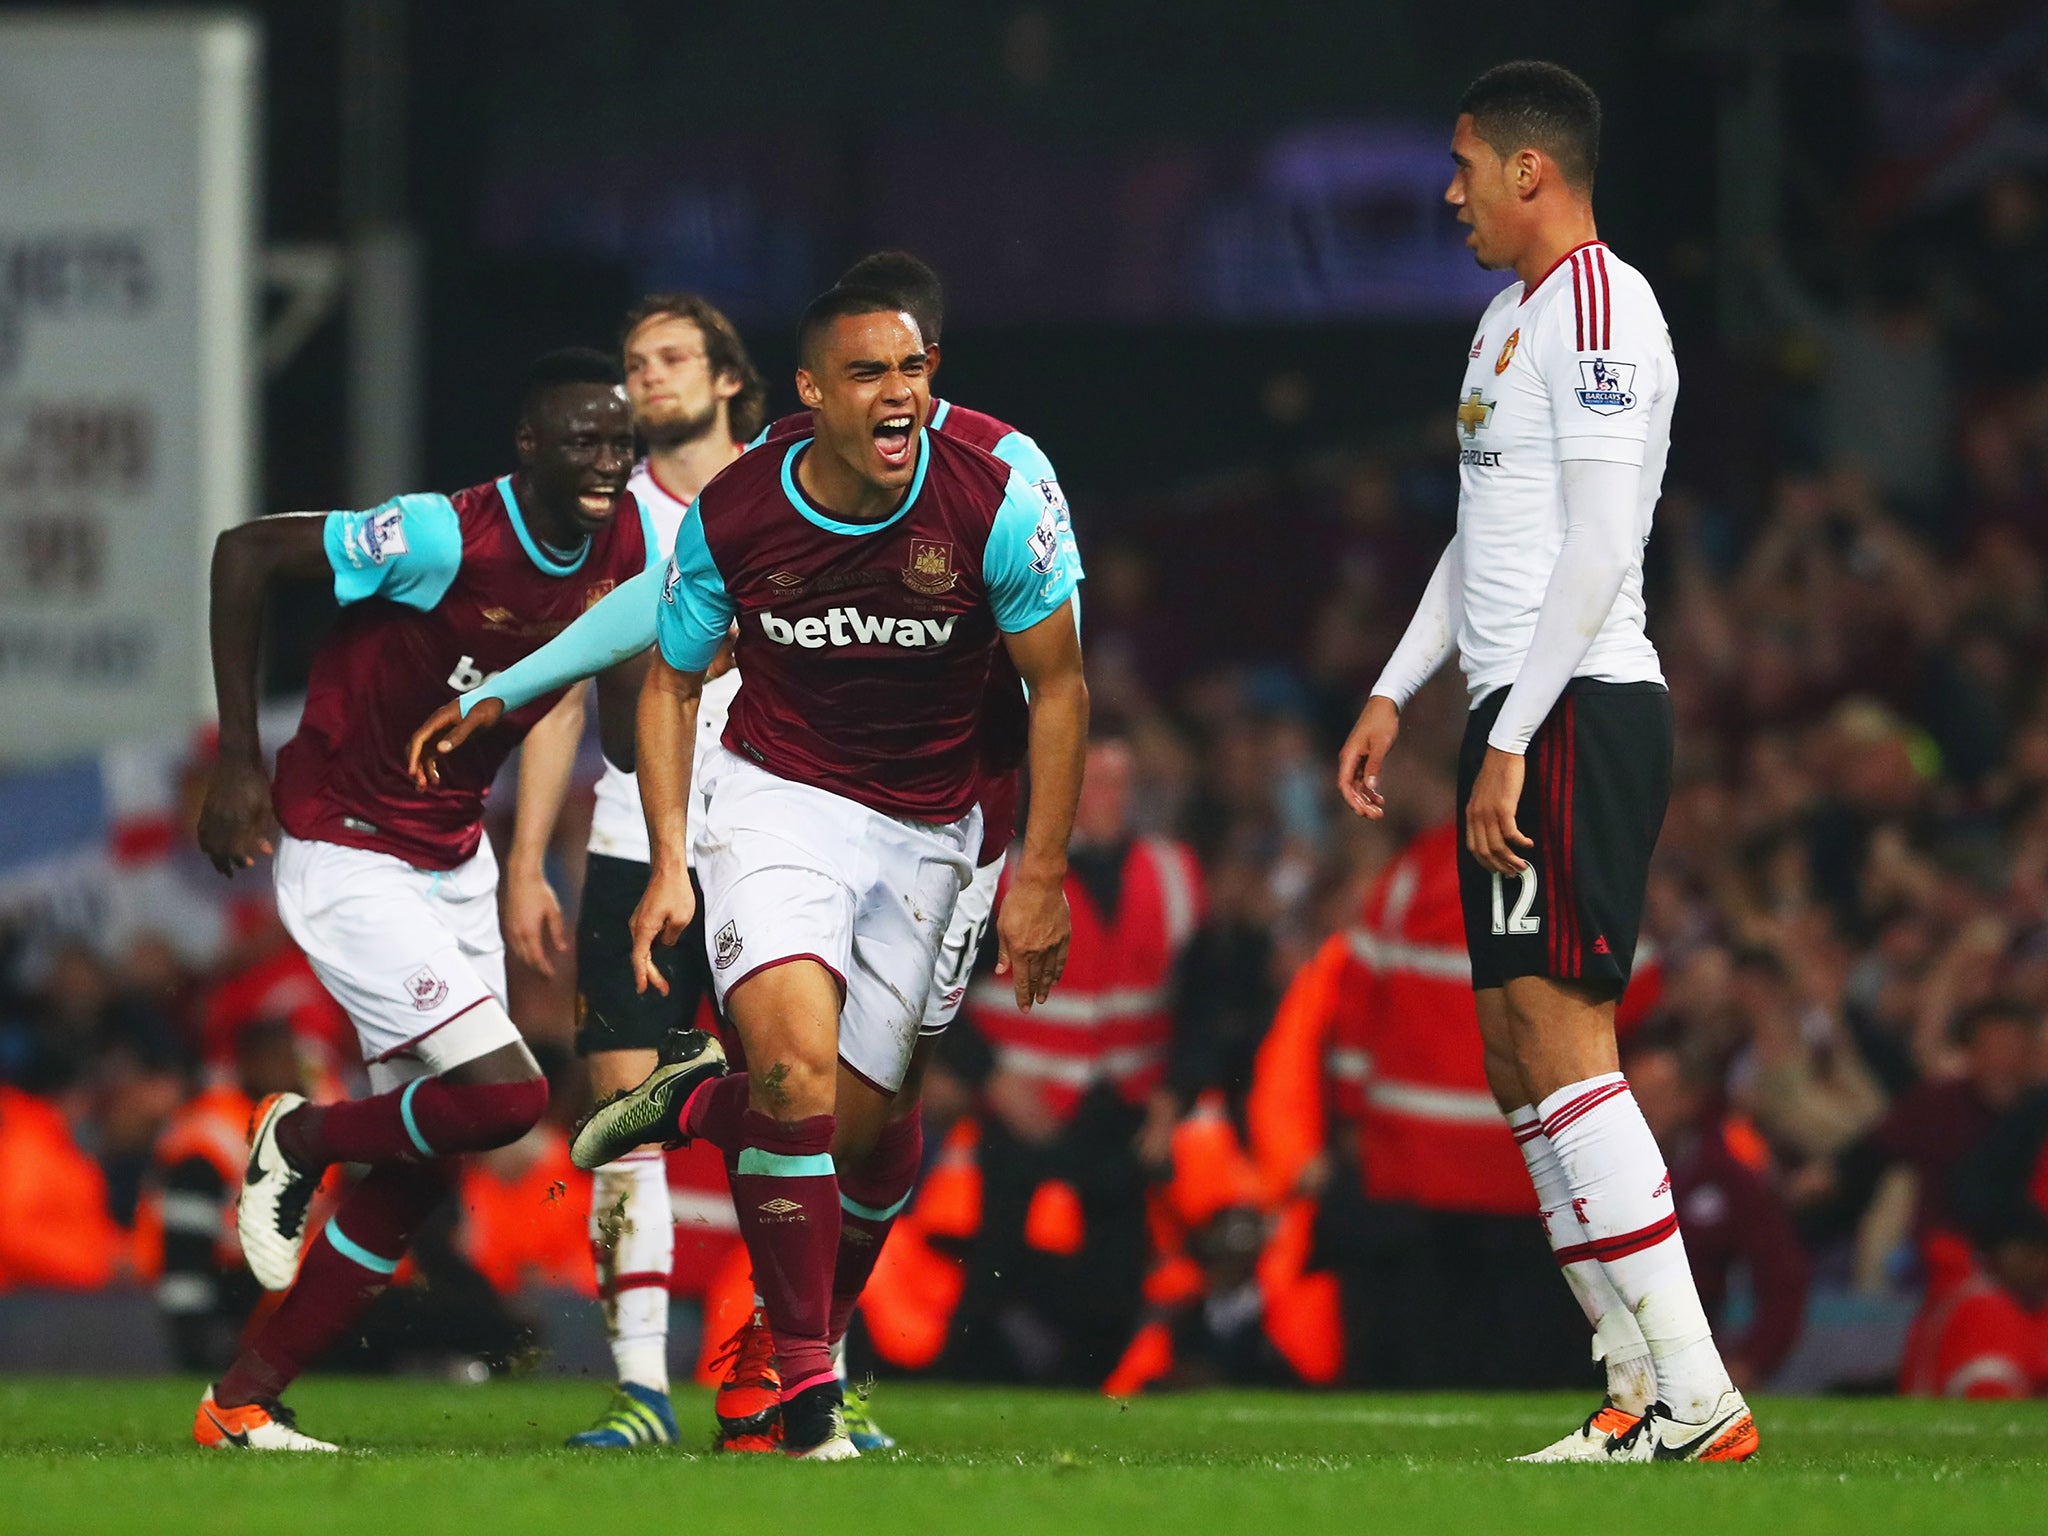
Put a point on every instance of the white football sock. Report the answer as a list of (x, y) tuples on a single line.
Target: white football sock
[(1622, 1193), (1618, 1343), (633, 1238)]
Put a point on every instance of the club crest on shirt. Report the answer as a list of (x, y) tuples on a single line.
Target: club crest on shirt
[(1507, 352), (426, 990), (1606, 387), (596, 593), (726, 945), (930, 569)]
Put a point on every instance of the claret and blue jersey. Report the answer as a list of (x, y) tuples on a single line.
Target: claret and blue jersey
[(866, 647), (437, 593)]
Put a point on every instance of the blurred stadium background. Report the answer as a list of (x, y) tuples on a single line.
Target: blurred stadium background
[(297, 255)]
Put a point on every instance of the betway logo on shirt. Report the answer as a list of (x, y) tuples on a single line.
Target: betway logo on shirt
[(849, 626)]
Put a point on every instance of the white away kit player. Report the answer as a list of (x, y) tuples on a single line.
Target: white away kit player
[(1564, 422)]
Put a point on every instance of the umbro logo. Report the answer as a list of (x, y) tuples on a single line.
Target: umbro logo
[(785, 580), (778, 1206)]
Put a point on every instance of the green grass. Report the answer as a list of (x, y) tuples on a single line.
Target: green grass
[(423, 1457)]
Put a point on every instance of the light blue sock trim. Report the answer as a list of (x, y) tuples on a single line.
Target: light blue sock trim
[(356, 1253), (853, 1207), (782, 1166), (405, 1113)]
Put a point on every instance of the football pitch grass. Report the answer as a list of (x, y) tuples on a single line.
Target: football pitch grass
[(422, 1457)]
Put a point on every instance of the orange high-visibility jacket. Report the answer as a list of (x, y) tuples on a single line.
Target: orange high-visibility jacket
[(526, 1219), (1380, 1030), (213, 1127), (54, 1226), (1110, 1018), (1301, 1313)]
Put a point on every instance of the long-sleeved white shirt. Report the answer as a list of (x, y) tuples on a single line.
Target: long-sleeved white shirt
[(1564, 425)]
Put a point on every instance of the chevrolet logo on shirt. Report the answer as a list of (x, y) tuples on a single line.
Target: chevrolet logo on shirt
[(1474, 414)]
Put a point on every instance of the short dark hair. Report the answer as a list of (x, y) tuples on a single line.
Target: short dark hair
[(838, 303), (915, 285), (565, 365), (1532, 104), (723, 350)]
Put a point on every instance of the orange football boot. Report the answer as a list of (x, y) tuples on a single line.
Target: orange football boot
[(258, 1426), (749, 1402)]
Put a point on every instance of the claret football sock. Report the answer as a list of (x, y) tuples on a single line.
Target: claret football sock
[(632, 1238), (429, 1117), (1618, 1342), (718, 1111), (1622, 1194), (786, 1192), (871, 1194), (345, 1268)]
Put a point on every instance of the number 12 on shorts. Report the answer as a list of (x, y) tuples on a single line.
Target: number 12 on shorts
[(1522, 919)]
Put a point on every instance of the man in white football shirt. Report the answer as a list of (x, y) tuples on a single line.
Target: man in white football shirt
[(696, 398), (1564, 422)]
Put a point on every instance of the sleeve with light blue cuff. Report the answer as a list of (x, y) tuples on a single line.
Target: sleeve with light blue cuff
[(408, 550), (1021, 452), (619, 627), (695, 610), (1030, 565)]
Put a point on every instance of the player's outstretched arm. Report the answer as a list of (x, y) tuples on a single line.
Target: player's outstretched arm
[(1034, 927), (666, 748), (1429, 638), (610, 632), (236, 824), (547, 760)]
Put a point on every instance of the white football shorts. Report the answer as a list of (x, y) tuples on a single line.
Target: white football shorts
[(964, 937), (409, 953), (792, 872)]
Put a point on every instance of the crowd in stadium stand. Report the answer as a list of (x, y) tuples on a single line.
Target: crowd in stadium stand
[(1273, 1159)]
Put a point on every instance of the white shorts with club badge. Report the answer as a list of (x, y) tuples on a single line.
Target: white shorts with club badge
[(410, 953), (792, 872)]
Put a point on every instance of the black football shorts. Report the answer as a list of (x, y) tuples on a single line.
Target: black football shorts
[(610, 1015), (1594, 789)]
